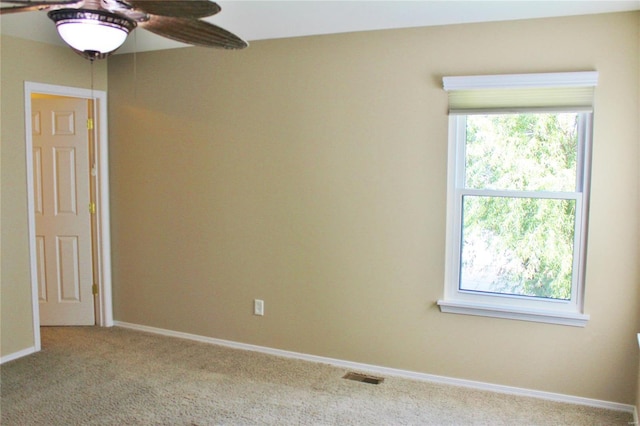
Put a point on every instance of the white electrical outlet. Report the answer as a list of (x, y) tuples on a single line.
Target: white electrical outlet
[(258, 307)]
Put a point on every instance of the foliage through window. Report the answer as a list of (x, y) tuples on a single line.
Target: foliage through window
[(515, 240)]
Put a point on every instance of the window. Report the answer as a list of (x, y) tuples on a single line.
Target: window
[(518, 186)]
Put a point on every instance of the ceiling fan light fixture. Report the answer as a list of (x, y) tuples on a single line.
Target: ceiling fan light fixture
[(92, 30)]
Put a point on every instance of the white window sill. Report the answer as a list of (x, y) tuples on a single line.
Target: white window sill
[(466, 308)]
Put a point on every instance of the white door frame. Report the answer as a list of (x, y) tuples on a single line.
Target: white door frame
[(103, 302)]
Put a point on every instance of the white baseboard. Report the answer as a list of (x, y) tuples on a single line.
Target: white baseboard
[(18, 354), (390, 371)]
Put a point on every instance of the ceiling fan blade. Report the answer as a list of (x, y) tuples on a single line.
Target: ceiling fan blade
[(193, 31), (29, 5), (176, 8)]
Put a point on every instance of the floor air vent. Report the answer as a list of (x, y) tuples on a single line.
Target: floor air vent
[(363, 378)]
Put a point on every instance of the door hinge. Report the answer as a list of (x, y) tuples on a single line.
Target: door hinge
[(94, 289), (90, 124), (92, 208)]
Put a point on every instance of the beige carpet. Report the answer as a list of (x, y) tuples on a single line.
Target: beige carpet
[(121, 377)]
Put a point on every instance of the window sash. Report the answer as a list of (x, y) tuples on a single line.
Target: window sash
[(498, 304), (458, 129), (549, 195), (573, 304)]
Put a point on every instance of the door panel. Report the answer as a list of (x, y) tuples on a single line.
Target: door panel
[(37, 180), (61, 203), (65, 182)]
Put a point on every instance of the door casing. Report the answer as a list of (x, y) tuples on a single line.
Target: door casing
[(103, 301)]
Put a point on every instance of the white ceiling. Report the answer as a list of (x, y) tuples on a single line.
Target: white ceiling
[(266, 19)]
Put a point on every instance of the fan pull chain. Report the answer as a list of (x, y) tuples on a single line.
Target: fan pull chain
[(92, 72), (135, 65), (92, 103)]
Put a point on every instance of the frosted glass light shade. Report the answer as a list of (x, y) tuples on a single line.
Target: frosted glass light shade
[(91, 36), (92, 30)]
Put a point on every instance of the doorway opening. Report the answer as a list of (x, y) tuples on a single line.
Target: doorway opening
[(99, 203)]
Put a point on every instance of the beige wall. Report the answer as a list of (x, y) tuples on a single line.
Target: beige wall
[(311, 173), (22, 61)]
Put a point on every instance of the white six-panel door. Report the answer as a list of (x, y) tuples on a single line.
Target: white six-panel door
[(61, 203)]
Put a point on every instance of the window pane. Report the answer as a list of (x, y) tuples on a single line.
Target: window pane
[(517, 246), (527, 152)]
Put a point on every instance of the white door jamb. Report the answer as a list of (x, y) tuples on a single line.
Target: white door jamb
[(103, 234)]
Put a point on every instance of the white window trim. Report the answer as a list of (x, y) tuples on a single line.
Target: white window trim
[(495, 311), (504, 306), (519, 81)]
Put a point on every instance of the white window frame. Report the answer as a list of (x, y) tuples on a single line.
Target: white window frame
[(565, 312)]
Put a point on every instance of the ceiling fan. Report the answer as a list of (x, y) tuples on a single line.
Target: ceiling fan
[(96, 28)]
